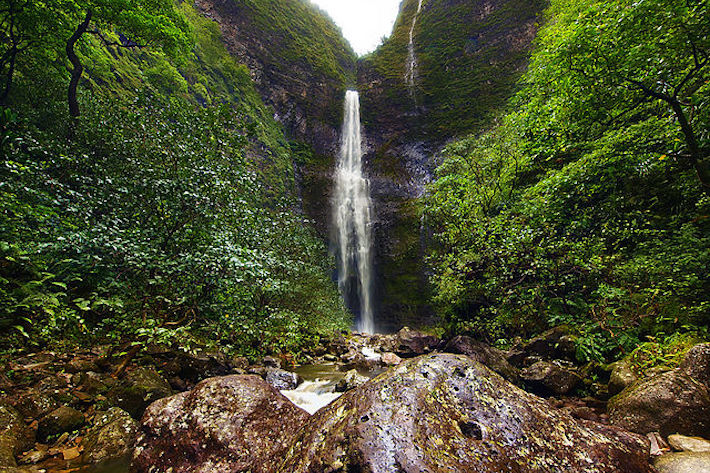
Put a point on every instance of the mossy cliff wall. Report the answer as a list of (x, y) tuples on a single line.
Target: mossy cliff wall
[(470, 55)]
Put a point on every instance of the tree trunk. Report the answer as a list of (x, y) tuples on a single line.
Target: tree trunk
[(8, 78), (699, 162), (78, 69)]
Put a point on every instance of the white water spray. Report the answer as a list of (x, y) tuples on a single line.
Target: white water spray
[(352, 217), (412, 73)]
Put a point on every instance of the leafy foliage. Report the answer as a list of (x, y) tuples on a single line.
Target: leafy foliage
[(584, 206), (170, 214)]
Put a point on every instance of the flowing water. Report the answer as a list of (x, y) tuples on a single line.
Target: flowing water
[(352, 220), (411, 75)]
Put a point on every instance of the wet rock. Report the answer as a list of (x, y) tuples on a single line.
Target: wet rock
[(684, 462), (63, 419), (138, 390), (622, 376), (271, 362), (696, 363), (330, 357), (410, 343), (390, 359), (556, 343), (682, 443), (258, 370), (34, 404), (677, 401), (80, 364), (549, 378), (229, 424), (15, 436), (239, 363), (111, 437), (95, 383), (204, 364), (489, 356), (338, 345), (282, 379), (351, 380), (449, 413)]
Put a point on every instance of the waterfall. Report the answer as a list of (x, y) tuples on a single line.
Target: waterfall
[(411, 75), (352, 216)]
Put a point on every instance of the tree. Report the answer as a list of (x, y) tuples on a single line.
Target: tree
[(140, 23), (612, 58), (21, 27), (55, 28)]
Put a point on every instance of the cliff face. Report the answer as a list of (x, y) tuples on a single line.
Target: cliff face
[(301, 65), (297, 58), (468, 55)]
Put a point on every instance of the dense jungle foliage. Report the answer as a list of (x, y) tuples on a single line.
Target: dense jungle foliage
[(587, 204), (166, 209)]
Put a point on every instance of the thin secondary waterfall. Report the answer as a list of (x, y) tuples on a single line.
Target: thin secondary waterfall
[(410, 76), (352, 216)]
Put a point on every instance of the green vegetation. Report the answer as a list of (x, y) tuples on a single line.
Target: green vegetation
[(588, 204), (470, 56), (166, 212)]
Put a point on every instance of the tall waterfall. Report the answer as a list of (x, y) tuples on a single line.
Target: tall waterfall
[(352, 216), (410, 76)]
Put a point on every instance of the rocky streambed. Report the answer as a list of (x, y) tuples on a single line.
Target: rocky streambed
[(407, 402)]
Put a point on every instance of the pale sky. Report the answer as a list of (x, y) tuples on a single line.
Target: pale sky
[(364, 22)]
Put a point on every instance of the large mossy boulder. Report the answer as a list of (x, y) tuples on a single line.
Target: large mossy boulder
[(684, 462), (111, 436), (545, 378), (449, 413), (674, 402), (489, 356), (409, 343), (230, 424), (63, 419), (138, 390)]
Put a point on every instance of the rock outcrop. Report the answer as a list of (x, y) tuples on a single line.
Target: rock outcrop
[(448, 413), (15, 436), (230, 424), (111, 437), (676, 401), (485, 354)]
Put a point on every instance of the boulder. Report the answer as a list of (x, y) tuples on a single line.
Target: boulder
[(63, 419), (34, 403), (677, 401), (622, 376), (390, 359), (682, 443), (111, 437), (138, 390), (271, 362), (230, 424), (696, 363), (203, 364), (410, 343), (684, 462), (15, 436), (449, 413), (549, 378), (282, 379), (554, 343), (485, 354), (351, 380)]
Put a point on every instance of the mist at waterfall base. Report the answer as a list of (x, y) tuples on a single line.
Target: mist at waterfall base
[(352, 221)]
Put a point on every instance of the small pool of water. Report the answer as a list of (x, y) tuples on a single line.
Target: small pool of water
[(317, 389)]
